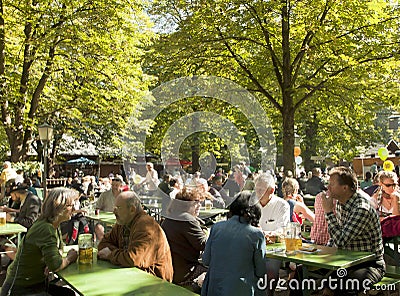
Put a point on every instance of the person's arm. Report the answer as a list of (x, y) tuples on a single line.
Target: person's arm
[(195, 236), (305, 211), (341, 235), (100, 202), (72, 255), (32, 213), (282, 215), (110, 239), (206, 257), (395, 202), (259, 257), (8, 210), (145, 240)]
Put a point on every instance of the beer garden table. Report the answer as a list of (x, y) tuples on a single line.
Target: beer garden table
[(12, 228), (330, 258), (103, 278)]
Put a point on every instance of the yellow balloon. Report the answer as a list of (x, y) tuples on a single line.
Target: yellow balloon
[(137, 179), (388, 165), (383, 153)]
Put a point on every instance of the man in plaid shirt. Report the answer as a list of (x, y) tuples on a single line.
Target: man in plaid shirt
[(355, 226)]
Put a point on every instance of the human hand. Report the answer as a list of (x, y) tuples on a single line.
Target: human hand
[(104, 253), (327, 202), (72, 255), (9, 217)]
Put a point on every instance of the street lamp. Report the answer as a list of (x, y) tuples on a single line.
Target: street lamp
[(45, 135)]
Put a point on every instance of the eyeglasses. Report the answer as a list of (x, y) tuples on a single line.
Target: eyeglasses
[(390, 185)]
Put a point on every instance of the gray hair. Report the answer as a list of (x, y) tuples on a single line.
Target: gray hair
[(56, 201), (266, 180), (131, 199)]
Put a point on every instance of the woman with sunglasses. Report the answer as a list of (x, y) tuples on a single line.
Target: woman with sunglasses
[(40, 251), (387, 195)]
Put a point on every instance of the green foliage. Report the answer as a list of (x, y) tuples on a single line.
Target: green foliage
[(335, 60), (28, 167), (73, 64)]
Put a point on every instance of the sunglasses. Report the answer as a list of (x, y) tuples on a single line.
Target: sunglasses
[(390, 185)]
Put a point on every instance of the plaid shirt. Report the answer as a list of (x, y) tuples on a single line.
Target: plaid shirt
[(319, 230), (356, 227)]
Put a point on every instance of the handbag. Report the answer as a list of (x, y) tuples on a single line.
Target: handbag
[(390, 226)]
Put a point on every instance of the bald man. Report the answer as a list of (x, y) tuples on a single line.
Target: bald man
[(136, 240)]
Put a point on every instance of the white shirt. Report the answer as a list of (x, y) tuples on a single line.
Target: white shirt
[(152, 179), (275, 214)]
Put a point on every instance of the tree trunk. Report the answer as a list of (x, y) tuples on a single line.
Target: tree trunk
[(288, 110), (288, 140)]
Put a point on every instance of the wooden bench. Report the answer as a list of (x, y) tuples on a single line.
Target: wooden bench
[(394, 242), (393, 271)]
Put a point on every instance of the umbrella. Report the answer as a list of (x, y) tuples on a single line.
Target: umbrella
[(81, 160)]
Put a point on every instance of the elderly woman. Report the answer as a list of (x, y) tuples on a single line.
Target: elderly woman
[(41, 249), (185, 236), (386, 197), (235, 251)]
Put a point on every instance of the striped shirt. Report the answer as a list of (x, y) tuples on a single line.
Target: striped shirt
[(356, 227)]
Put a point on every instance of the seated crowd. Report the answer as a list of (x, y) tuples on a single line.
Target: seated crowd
[(228, 258)]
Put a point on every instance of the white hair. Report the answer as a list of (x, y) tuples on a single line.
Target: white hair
[(266, 180)]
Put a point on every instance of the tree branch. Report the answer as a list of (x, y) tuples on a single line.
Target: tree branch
[(250, 75)]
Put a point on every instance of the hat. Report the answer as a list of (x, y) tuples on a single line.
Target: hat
[(18, 187)]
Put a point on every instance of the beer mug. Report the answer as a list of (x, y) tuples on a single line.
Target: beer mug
[(3, 218), (293, 237), (85, 243), (208, 205)]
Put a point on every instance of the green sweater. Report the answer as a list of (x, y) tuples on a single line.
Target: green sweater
[(39, 248)]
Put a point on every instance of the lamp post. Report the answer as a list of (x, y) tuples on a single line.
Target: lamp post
[(45, 135)]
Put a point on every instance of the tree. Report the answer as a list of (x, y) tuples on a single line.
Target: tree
[(74, 64), (318, 57)]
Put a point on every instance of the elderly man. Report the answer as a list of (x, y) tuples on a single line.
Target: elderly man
[(106, 199), (355, 226), (275, 215), (214, 196), (137, 240), (106, 203)]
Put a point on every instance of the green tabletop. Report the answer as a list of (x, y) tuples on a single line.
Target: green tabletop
[(12, 228), (103, 278), (211, 213), (105, 217), (326, 257)]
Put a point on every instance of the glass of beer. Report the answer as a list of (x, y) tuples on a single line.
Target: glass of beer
[(292, 237), (3, 218), (85, 242), (208, 204)]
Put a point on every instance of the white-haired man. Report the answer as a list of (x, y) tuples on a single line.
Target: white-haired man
[(275, 215)]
